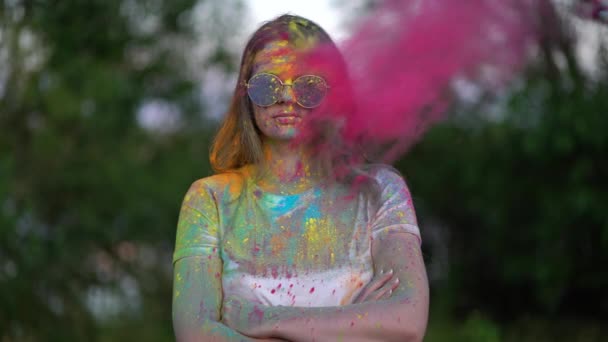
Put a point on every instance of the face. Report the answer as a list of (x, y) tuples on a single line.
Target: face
[(281, 120)]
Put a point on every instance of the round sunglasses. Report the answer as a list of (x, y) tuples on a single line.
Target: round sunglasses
[(265, 89)]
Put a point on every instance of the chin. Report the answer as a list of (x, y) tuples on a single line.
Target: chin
[(282, 134)]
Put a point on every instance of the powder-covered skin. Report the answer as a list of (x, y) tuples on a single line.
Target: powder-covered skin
[(308, 249)]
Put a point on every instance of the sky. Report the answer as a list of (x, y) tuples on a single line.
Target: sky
[(323, 12)]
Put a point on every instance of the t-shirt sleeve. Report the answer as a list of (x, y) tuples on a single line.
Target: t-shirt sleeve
[(197, 227), (395, 208)]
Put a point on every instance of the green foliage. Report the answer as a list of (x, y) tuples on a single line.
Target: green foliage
[(478, 327), (525, 200), (88, 197), (475, 328)]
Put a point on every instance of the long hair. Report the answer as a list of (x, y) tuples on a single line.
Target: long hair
[(238, 141)]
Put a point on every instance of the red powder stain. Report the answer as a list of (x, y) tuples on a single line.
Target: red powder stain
[(273, 291), (290, 285), (312, 289), (275, 272), (218, 275), (360, 284), (256, 315), (279, 286), (352, 324)]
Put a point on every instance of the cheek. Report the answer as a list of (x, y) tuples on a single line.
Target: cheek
[(262, 117)]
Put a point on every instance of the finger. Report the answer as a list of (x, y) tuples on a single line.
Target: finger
[(374, 285), (380, 281), (386, 291), (386, 295), (381, 293), (396, 283)]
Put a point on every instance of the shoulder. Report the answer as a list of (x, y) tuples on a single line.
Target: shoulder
[(223, 182), (384, 175), (219, 187), (395, 208), (390, 184)]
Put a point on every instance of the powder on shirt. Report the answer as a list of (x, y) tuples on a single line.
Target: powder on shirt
[(308, 249)]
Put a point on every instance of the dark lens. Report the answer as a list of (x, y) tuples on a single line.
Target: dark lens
[(264, 89), (309, 90)]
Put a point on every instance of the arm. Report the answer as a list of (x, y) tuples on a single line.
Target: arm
[(197, 287), (403, 317), (196, 302)]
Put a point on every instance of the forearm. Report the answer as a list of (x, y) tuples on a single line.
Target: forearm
[(208, 331), (196, 303), (213, 332), (389, 320), (403, 317)]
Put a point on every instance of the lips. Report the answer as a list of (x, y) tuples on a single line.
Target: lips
[(289, 118), (286, 115)]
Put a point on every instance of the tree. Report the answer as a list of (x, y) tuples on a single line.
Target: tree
[(89, 196), (524, 193)]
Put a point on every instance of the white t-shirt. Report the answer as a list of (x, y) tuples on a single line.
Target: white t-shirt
[(308, 249)]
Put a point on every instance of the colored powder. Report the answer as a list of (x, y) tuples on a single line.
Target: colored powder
[(256, 315), (402, 63)]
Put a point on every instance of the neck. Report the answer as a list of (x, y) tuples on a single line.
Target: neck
[(287, 169)]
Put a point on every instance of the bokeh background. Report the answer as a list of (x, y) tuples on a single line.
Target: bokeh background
[(107, 109)]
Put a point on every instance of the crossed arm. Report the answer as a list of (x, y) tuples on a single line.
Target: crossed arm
[(197, 299), (198, 313)]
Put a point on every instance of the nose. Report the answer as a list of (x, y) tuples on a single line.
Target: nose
[(287, 95)]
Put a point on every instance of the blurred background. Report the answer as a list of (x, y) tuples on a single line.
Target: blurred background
[(107, 109)]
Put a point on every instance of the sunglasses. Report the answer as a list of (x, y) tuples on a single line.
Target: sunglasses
[(265, 89)]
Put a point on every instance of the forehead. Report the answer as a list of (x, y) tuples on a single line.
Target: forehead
[(279, 58)]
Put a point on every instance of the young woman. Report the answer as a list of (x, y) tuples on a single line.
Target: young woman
[(273, 247)]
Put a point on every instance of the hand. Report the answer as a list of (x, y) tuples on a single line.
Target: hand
[(380, 287), (243, 316), (234, 314)]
